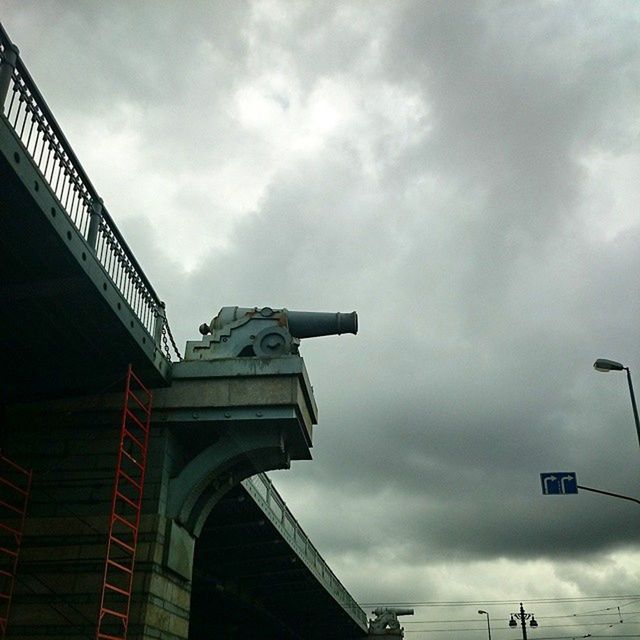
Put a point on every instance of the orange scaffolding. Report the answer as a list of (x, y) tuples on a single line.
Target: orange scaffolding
[(126, 506), (15, 487)]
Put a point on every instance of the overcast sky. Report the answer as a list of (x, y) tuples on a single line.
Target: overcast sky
[(465, 176)]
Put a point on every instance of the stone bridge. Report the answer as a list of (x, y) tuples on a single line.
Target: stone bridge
[(219, 554)]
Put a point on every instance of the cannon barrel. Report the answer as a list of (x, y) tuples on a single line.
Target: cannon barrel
[(310, 324), (399, 611)]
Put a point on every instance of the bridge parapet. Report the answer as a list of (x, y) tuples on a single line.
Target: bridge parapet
[(25, 110), (264, 494)]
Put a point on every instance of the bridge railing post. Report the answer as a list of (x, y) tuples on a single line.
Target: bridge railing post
[(94, 223), (161, 319), (8, 63)]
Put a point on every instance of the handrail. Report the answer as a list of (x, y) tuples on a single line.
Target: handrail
[(265, 495), (24, 108)]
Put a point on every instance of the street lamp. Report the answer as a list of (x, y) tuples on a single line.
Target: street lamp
[(486, 613), (522, 616), (604, 365)]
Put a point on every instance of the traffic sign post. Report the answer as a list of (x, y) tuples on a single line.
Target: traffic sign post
[(559, 483)]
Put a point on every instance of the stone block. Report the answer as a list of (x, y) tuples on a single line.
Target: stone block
[(179, 550)]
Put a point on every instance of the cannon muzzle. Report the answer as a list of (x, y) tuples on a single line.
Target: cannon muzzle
[(311, 324)]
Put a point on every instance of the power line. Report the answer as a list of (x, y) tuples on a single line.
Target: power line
[(462, 603), (497, 618), (547, 617), (593, 618), (626, 604), (484, 629), (443, 630)]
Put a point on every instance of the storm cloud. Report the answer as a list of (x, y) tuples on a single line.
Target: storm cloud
[(465, 176)]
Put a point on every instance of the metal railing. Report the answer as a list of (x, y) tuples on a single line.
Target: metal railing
[(261, 489), (25, 110)]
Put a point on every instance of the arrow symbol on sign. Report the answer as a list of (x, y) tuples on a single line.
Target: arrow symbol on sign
[(546, 481), (562, 481)]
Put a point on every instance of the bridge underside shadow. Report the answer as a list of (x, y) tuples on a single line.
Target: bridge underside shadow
[(64, 326), (249, 583)]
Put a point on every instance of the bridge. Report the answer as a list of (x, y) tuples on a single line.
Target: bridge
[(68, 274), (218, 552)]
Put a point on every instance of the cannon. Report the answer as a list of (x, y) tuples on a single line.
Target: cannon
[(396, 611), (386, 621), (238, 332)]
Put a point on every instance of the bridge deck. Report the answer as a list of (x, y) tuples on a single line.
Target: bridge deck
[(75, 306), (64, 325)]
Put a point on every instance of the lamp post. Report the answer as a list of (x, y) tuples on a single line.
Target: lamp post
[(523, 617), (486, 613), (604, 365)]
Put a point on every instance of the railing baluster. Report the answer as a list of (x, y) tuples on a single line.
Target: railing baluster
[(29, 135), (13, 97), (42, 146), (24, 122)]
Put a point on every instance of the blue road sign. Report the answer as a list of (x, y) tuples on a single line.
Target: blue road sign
[(559, 483)]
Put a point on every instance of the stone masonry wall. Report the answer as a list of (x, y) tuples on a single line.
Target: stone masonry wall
[(57, 594)]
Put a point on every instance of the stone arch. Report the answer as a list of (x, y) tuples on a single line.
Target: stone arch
[(238, 454)]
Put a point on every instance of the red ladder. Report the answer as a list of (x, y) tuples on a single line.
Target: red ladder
[(15, 487), (126, 505)]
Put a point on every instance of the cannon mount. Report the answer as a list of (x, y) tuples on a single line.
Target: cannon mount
[(386, 622)]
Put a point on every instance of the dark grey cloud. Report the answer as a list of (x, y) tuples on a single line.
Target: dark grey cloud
[(96, 55)]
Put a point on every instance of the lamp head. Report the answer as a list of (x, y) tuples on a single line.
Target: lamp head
[(512, 622), (533, 622), (481, 611), (602, 364)]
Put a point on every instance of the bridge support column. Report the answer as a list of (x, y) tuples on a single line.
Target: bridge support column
[(211, 429)]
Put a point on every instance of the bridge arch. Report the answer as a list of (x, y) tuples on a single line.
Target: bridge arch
[(206, 478)]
